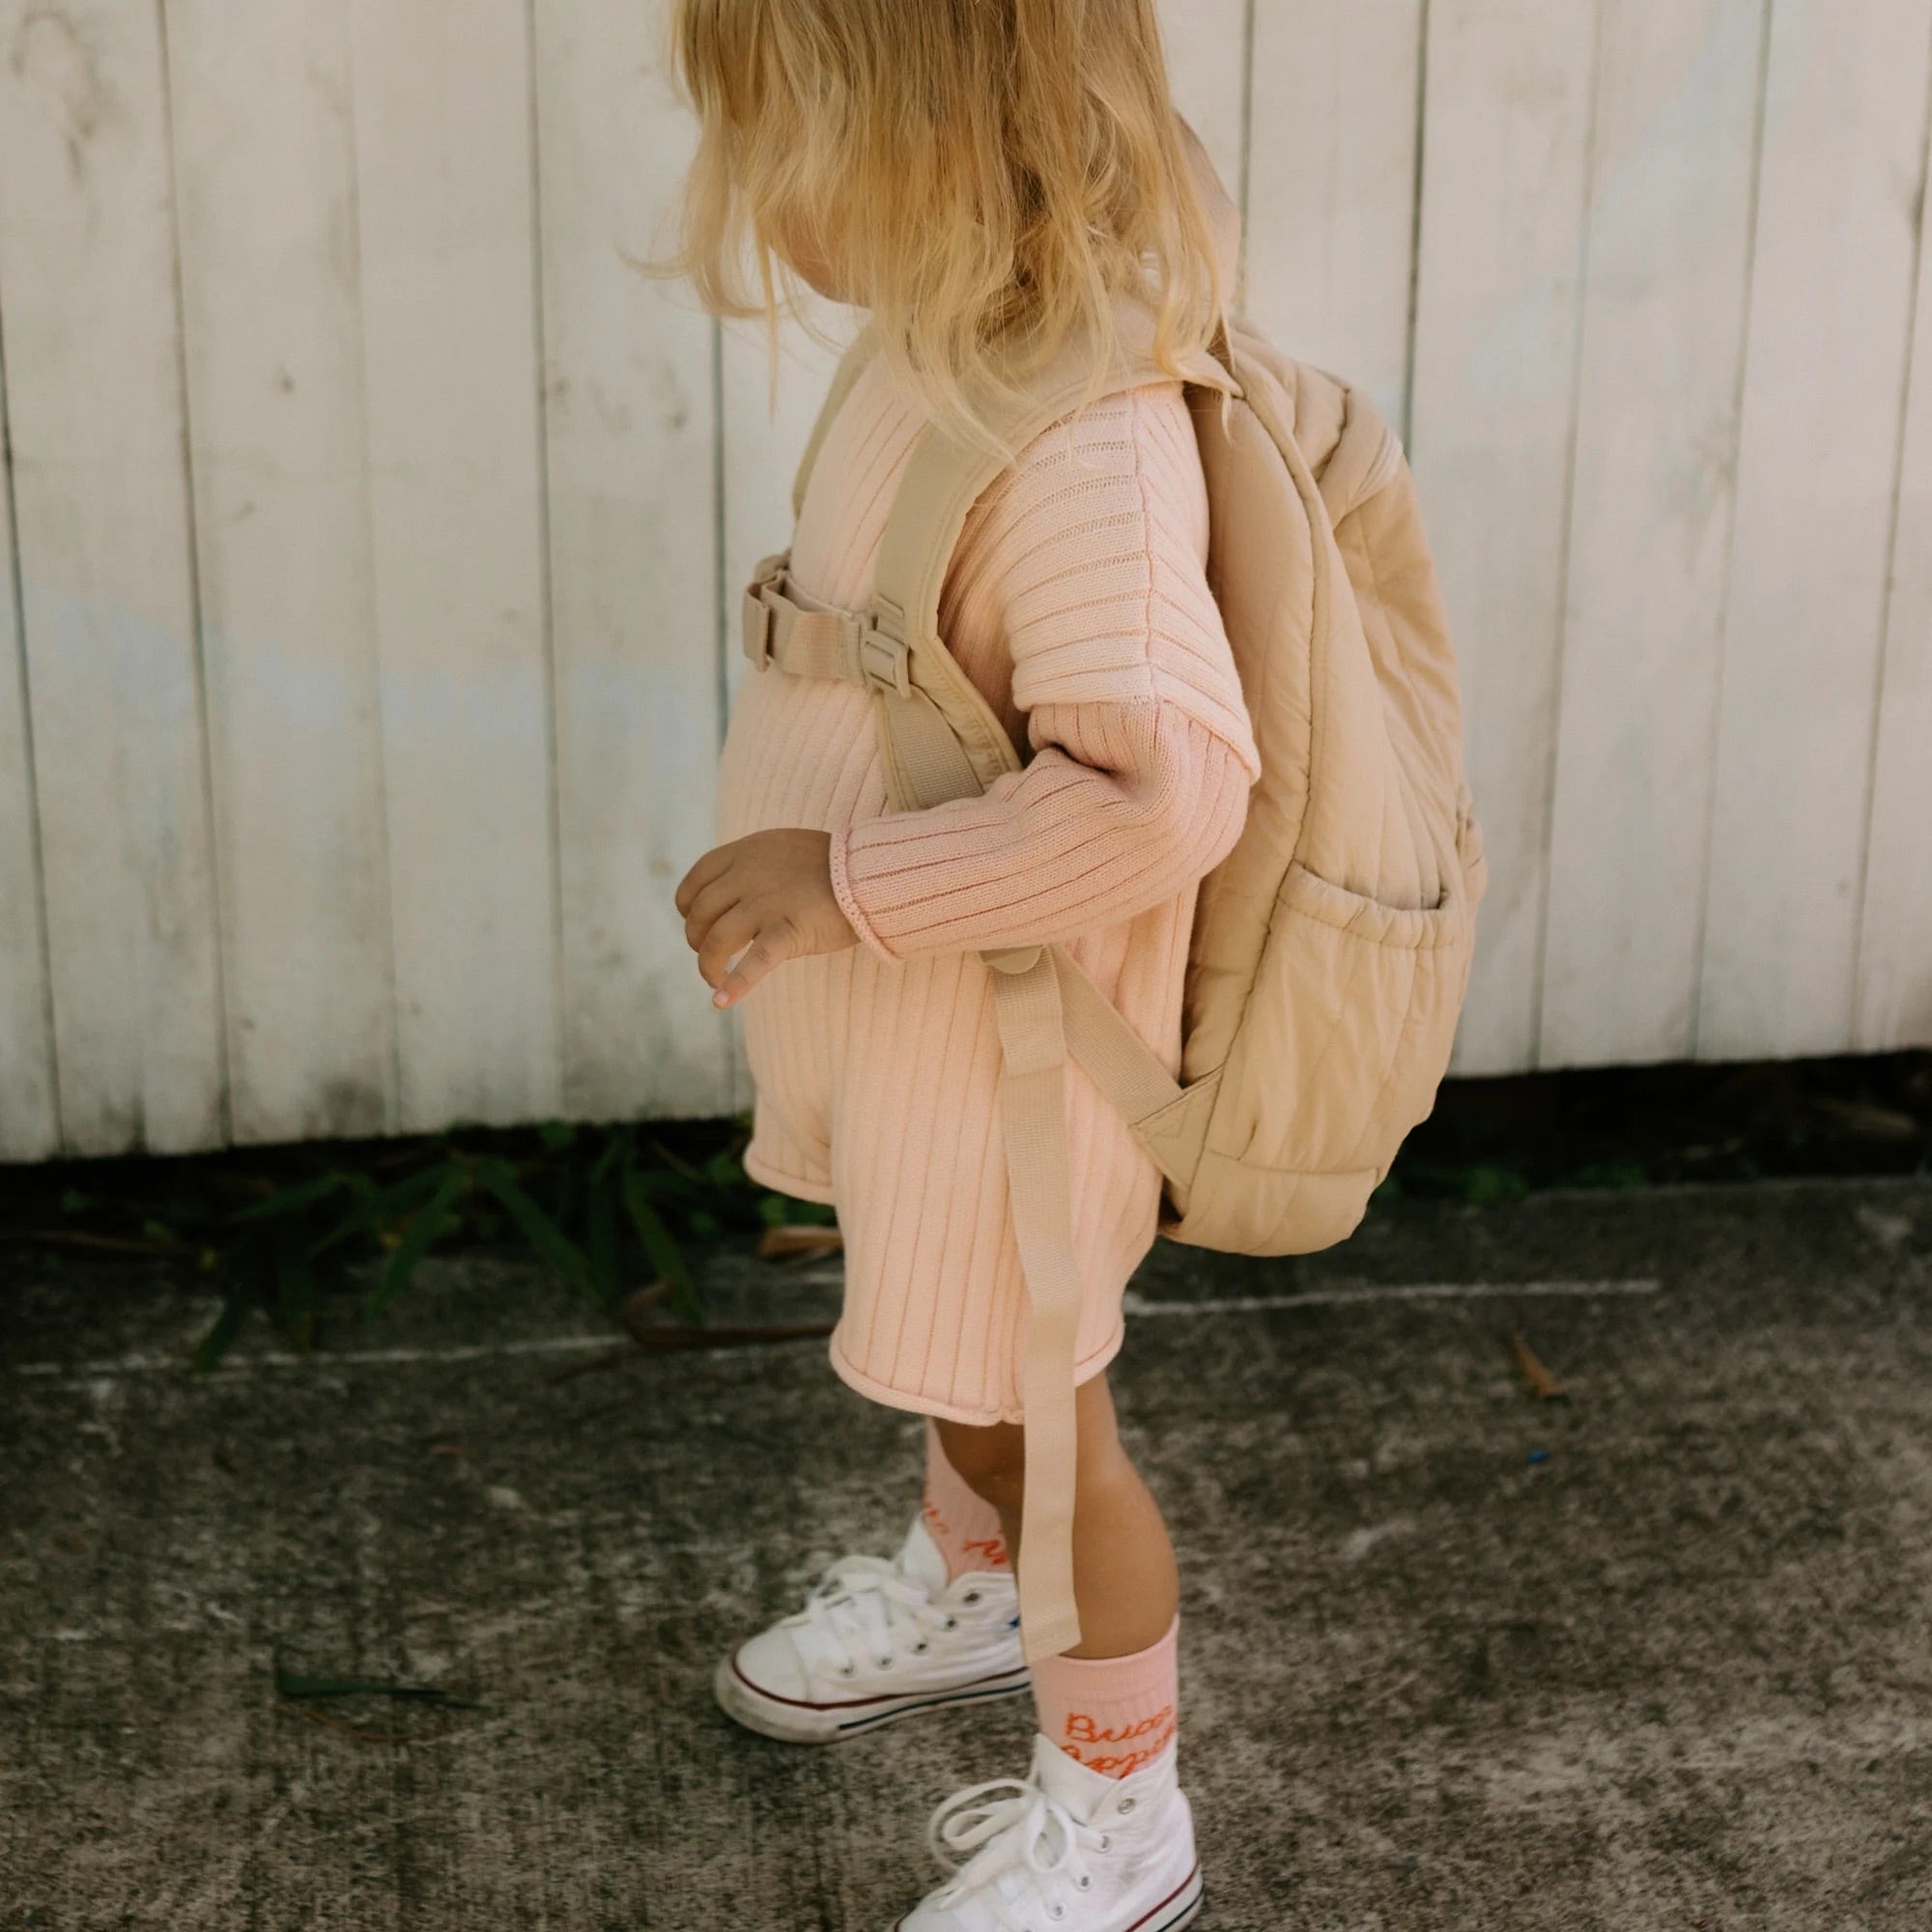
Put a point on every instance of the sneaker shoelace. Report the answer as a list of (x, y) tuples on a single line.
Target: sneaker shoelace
[(1009, 1829), (868, 1601)]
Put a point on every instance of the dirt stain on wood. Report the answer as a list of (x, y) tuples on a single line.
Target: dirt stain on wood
[(48, 53)]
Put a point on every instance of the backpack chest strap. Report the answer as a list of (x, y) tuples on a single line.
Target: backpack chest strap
[(786, 628)]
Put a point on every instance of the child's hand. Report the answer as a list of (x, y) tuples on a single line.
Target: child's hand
[(768, 897)]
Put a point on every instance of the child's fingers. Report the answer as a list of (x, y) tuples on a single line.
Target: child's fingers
[(710, 904), (713, 866), (768, 950), (756, 963), (728, 935)]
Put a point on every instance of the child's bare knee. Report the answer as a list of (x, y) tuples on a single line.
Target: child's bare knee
[(990, 1462)]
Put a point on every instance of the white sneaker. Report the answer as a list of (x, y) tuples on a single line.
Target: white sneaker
[(876, 1641), (1066, 1850)]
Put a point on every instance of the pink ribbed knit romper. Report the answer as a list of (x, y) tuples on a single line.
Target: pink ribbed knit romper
[(1078, 603)]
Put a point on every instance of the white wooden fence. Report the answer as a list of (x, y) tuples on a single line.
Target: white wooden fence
[(370, 533)]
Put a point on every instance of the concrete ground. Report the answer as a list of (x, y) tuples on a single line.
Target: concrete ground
[(1657, 1656)]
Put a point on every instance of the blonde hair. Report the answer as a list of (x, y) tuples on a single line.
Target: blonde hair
[(987, 177)]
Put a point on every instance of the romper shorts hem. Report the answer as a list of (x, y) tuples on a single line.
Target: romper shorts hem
[(884, 1393), (796, 1185)]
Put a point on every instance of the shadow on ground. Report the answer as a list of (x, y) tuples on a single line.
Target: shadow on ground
[(1657, 1656)]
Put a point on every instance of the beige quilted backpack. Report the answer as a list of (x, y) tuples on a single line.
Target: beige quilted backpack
[(1330, 950)]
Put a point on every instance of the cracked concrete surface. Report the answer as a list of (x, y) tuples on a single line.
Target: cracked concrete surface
[(1660, 1657)]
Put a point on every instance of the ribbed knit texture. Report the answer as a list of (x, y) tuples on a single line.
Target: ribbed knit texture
[(1113, 1713), (1078, 603), (962, 1523)]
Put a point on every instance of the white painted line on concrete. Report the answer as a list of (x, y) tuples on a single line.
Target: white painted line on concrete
[(1340, 1297), (346, 1358)]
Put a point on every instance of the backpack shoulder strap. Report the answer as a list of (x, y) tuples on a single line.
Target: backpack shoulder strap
[(928, 699), (940, 739), (851, 366)]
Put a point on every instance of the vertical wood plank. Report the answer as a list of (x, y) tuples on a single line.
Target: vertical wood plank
[(1331, 185), (262, 121), (1662, 332), (1843, 174), (633, 516), (1207, 47), (1894, 1006), (1503, 188), (94, 350), (448, 301), (29, 1129), (764, 438)]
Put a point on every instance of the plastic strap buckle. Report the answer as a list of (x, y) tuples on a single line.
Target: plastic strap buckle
[(759, 617), (757, 629), (885, 658)]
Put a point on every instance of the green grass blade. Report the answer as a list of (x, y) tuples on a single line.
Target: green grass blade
[(723, 1170), (663, 1252), (216, 1343), (617, 1150), (376, 1204), (428, 1222), (294, 1200), (602, 1231), (538, 1228), (781, 1210), (289, 1684)]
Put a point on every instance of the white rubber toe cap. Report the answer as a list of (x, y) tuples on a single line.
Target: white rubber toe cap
[(770, 1662)]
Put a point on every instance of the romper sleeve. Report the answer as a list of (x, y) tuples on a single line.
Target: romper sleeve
[(1143, 752)]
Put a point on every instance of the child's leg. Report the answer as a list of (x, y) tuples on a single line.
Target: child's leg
[(964, 1525), (1111, 1702), (1123, 1572)]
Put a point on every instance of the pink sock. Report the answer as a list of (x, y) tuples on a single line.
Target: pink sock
[(1113, 1713), (964, 1524)]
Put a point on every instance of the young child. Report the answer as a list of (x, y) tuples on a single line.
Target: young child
[(974, 178)]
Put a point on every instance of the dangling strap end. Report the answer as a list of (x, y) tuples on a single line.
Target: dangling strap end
[(1045, 1633), (1033, 1046)]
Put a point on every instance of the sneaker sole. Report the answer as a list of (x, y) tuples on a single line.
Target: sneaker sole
[(1183, 1908), (795, 1724)]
